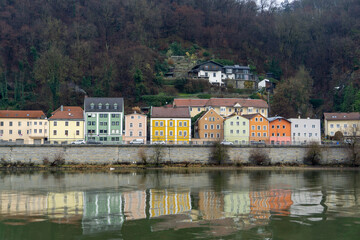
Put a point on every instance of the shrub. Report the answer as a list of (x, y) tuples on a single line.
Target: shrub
[(158, 154), (142, 156), (58, 160), (219, 154), (46, 161), (313, 154), (259, 157)]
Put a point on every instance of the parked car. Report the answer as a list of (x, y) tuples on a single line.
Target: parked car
[(159, 142), (137, 141), (226, 143), (78, 142), (93, 142)]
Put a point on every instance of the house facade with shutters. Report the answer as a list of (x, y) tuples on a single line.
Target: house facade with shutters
[(104, 119), (236, 129), (135, 127), (23, 126), (305, 130), (171, 125), (258, 128), (210, 126), (280, 130), (66, 125)]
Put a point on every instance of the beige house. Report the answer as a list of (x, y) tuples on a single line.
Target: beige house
[(346, 123), (224, 106), (209, 127), (23, 127), (66, 125), (135, 127)]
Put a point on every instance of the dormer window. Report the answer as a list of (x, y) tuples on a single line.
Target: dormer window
[(100, 106), (92, 106), (107, 106), (115, 106)]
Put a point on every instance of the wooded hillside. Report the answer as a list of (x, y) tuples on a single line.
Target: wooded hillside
[(52, 52)]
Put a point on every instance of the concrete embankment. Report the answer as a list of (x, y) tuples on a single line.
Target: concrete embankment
[(109, 154)]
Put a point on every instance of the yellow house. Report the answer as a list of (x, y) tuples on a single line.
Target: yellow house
[(23, 127), (346, 123), (171, 125), (66, 125)]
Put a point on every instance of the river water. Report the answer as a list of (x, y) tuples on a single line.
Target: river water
[(183, 204)]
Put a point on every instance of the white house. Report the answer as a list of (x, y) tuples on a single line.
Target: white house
[(262, 83), (305, 131), (208, 70)]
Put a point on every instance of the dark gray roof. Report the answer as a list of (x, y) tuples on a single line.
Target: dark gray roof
[(237, 67), (104, 101)]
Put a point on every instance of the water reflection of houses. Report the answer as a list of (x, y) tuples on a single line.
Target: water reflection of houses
[(66, 206), (211, 205), (135, 205), (102, 212), (306, 203), (166, 202)]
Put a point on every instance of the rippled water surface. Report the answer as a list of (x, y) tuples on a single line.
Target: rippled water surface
[(162, 204)]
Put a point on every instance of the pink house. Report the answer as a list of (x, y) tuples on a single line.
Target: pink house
[(135, 127)]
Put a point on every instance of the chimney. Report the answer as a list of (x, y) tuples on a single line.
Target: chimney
[(62, 108)]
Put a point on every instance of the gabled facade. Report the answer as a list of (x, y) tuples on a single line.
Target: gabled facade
[(208, 70), (280, 130), (346, 123), (171, 125), (66, 125), (210, 126), (23, 127), (104, 119), (135, 127), (305, 130), (259, 128), (236, 129)]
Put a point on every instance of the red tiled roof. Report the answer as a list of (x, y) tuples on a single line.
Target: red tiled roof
[(68, 113), (22, 114), (163, 112), (230, 102), (220, 102), (183, 102), (342, 116)]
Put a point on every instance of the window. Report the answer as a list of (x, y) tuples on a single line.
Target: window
[(229, 109), (296, 125), (55, 132), (244, 131), (2, 124), (214, 74), (161, 133), (100, 106), (185, 124), (264, 127), (205, 135), (218, 135), (256, 119), (156, 123), (304, 134), (205, 126), (313, 126), (211, 135), (19, 132), (238, 123), (185, 133), (231, 123), (66, 132), (180, 124), (10, 132), (338, 125), (331, 125), (273, 134), (77, 132), (161, 123), (345, 125), (140, 125), (222, 109), (55, 123), (259, 134), (294, 134), (244, 123), (131, 125), (331, 133), (19, 124), (237, 131), (66, 124), (35, 131), (198, 109), (298, 134), (283, 126), (304, 125), (231, 131), (278, 126), (115, 106), (273, 126), (78, 124), (278, 134), (264, 134), (132, 117), (35, 123), (250, 109), (212, 126), (310, 134), (261, 119), (140, 133), (91, 106), (131, 133), (354, 125), (180, 133), (170, 133), (10, 124), (171, 123), (252, 127), (258, 127), (156, 133), (283, 134), (218, 126), (190, 109), (253, 134), (2, 132), (107, 106)]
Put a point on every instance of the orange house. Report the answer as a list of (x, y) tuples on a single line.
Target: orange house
[(280, 130), (259, 128)]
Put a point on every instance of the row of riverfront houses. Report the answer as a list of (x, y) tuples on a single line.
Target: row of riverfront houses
[(197, 121)]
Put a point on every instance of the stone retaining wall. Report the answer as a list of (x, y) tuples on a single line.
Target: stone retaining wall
[(102, 154)]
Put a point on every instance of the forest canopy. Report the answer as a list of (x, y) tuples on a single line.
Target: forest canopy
[(54, 52)]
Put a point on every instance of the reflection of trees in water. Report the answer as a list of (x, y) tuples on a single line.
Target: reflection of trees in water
[(219, 180), (260, 178), (312, 178)]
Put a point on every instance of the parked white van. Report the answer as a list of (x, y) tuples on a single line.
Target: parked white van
[(137, 141)]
